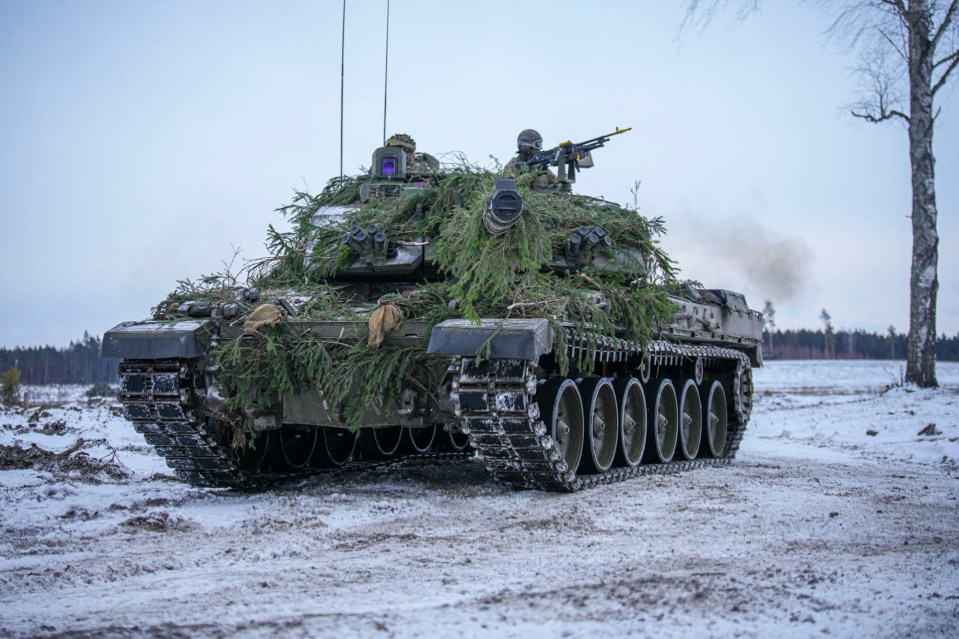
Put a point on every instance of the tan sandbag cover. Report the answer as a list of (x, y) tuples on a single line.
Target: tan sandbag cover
[(264, 315), (383, 320)]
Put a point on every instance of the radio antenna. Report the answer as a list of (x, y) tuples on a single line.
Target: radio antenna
[(386, 66), (342, 57)]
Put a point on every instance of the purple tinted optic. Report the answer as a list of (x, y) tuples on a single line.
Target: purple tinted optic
[(389, 166)]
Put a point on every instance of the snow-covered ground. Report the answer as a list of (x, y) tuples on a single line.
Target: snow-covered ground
[(838, 519), (36, 395)]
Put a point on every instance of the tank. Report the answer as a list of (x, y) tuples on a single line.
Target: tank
[(422, 308)]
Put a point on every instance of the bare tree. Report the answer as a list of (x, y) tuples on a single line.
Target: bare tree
[(908, 51)]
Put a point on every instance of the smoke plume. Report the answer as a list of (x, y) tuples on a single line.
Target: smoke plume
[(777, 265)]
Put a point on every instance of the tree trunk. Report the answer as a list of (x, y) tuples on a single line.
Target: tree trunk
[(924, 282)]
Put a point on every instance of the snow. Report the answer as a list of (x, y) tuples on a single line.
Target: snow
[(818, 529), (35, 395)]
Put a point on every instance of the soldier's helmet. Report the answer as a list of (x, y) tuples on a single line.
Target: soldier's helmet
[(403, 141), (529, 141)]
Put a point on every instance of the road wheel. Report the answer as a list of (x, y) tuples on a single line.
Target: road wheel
[(601, 419), (250, 457), (632, 421), (335, 448), (691, 420), (663, 431), (296, 444), (420, 439), (562, 411), (716, 415), (451, 442), (381, 443)]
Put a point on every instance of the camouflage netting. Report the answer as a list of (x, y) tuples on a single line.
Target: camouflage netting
[(483, 277)]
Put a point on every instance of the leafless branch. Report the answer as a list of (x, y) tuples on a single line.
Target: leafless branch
[(869, 20), (898, 5), (699, 13), (946, 22), (946, 60), (899, 48), (880, 116), (945, 75)]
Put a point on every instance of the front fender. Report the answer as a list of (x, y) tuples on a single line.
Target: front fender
[(157, 340), (510, 338)]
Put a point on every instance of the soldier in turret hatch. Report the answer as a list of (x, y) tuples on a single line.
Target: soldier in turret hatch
[(528, 143), (415, 162)]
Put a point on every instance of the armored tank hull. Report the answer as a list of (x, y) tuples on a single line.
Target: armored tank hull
[(561, 370)]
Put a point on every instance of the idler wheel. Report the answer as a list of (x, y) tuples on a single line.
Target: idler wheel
[(335, 447), (381, 443), (601, 418), (562, 411), (717, 420), (296, 444), (663, 430), (691, 420), (420, 439), (632, 421)]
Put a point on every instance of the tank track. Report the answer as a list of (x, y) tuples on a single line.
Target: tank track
[(506, 429), (159, 398)]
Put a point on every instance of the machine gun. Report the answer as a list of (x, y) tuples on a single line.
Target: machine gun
[(575, 155)]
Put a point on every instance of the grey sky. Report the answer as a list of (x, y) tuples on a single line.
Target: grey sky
[(140, 140)]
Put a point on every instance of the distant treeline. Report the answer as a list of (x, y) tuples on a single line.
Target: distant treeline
[(79, 363), (806, 344)]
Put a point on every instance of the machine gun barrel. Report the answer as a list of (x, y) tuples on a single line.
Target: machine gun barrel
[(570, 152)]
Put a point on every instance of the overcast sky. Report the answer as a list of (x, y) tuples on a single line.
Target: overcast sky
[(141, 141)]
